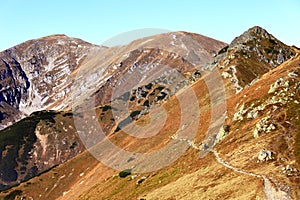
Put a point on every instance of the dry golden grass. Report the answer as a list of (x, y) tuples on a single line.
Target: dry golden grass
[(189, 177)]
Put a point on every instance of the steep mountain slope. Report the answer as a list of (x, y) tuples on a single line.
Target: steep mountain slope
[(35, 74), (59, 73), (145, 59), (35, 144), (255, 155), (43, 73)]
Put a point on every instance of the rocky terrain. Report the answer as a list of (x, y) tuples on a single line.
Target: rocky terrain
[(36, 74), (245, 148), (43, 80), (249, 56)]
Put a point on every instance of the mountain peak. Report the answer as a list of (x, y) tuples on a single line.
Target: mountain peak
[(254, 35), (55, 36), (257, 30), (249, 56)]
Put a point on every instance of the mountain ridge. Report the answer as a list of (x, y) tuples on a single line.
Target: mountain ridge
[(247, 132), (58, 70)]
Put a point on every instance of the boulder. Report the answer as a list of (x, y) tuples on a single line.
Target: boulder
[(141, 180), (265, 155), (224, 130), (252, 114)]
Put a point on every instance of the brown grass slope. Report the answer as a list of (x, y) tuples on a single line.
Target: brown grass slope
[(192, 177), (189, 177)]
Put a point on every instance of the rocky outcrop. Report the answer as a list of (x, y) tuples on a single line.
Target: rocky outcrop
[(224, 130), (238, 115), (249, 56), (280, 83), (264, 125)]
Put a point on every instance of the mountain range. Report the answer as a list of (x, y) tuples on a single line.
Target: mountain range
[(194, 117)]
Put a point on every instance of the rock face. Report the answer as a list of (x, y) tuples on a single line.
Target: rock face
[(35, 75)]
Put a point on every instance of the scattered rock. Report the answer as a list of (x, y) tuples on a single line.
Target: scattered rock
[(290, 171), (141, 180), (238, 116), (252, 114), (263, 125), (279, 83), (226, 75), (224, 130), (270, 128)]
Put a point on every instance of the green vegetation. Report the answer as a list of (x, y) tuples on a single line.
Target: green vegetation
[(125, 173), (13, 195), (17, 141)]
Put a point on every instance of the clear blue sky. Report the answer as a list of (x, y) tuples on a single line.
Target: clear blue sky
[(96, 21)]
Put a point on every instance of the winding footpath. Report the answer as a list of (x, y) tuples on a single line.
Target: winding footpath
[(271, 193)]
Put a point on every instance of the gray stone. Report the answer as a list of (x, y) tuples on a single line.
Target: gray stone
[(252, 114), (265, 155)]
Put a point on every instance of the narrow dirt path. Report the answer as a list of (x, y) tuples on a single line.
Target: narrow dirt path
[(227, 165), (271, 193)]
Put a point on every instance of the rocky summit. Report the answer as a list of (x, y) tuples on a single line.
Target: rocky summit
[(197, 118)]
